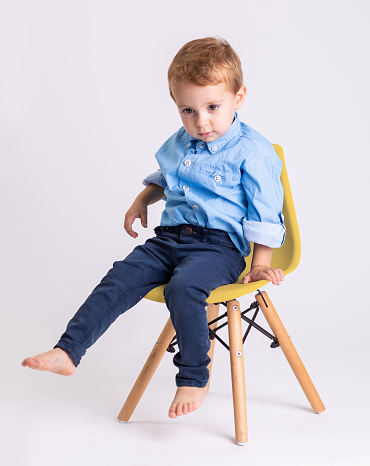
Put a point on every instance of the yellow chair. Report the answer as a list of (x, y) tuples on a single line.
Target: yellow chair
[(286, 258)]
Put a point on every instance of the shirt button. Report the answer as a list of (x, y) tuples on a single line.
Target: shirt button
[(186, 188), (213, 148), (187, 163), (189, 144), (217, 178), (195, 207), (201, 145)]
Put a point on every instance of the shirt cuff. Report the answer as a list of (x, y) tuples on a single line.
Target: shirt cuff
[(155, 178), (268, 234)]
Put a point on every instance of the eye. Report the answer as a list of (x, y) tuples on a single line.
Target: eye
[(188, 111), (213, 107)]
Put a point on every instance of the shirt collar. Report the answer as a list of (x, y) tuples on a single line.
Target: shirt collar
[(217, 144)]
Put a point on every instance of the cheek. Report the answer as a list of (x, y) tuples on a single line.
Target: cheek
[(184, 119), (189, 127), (187, 122)]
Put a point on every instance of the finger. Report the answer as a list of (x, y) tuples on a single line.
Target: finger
[(270, 276), (247, 278), (144, 219), (275, 276), (131, 232), (279, 275), (128, 226)]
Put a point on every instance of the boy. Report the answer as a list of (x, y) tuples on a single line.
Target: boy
[(221, 183)]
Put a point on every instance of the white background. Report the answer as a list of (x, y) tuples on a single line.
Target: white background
[(84, 105)]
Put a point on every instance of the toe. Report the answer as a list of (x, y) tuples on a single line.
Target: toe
[(172, 411), (33, 363), (179, 410), (195, 405)]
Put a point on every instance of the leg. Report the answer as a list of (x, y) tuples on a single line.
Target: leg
[(124, 285), (185, 295), (290, 352), (147, 372), (237, 371), (186, 300), (187, 306), (212, 313)]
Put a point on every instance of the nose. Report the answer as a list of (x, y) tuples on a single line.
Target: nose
[(201, 120)]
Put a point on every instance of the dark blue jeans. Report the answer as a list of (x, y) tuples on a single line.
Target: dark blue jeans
[(192, 261)]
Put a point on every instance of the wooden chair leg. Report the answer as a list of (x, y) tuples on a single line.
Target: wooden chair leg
[(147, 371), (290, 352), (212, 313), (237, 371)]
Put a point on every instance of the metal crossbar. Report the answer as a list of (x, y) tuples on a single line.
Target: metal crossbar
[(251, 323)]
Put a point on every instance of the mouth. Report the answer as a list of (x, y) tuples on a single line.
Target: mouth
[(204, 135)]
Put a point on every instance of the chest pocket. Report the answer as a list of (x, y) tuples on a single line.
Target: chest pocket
[(217, 176)]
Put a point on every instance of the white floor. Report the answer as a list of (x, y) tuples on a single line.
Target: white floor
[(52, 420)]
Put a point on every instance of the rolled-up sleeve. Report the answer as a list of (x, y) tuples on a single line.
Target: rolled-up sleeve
[(264, 222), (155, 178)]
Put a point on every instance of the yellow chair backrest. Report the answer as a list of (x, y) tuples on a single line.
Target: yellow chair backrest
[(285, 258)]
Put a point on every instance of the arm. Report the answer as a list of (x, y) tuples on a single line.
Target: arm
[(264, 225), (139, 209), (260, 267)]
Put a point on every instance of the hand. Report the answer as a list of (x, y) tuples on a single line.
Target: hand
[(137, 210), (276, 276)]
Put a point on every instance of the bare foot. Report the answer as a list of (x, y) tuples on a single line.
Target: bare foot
[(56, 360), (187, 400)]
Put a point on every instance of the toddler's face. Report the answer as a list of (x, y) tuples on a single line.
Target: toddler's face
[(207, 111)]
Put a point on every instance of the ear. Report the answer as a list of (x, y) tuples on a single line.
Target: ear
[(240, 97)]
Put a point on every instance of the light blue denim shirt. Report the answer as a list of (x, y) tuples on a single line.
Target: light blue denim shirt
[(230, 184)]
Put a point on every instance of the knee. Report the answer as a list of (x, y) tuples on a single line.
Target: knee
[(180, 292)]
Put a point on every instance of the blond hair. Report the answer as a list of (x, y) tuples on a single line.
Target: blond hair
[(208, 61)]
